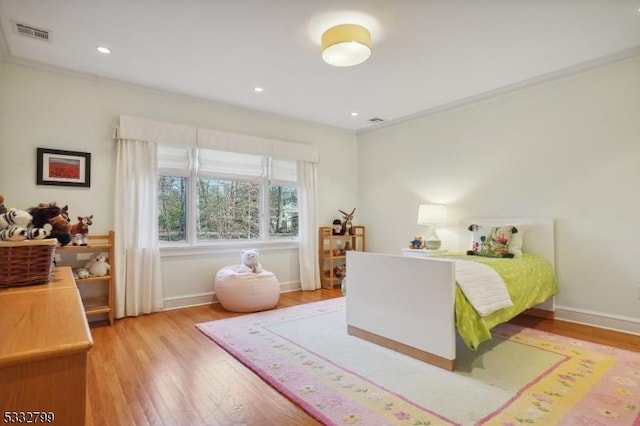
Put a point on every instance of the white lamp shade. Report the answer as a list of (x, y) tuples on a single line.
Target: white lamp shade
[(346, 45), (432, 214)]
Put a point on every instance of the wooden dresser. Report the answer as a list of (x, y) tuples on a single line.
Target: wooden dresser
[(44, 343)]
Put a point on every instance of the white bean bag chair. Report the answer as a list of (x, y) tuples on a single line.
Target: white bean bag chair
[(246, 291)]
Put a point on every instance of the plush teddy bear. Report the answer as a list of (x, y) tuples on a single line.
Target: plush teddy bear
[(250, 261), (97, 265), (417, 242), (3, 209)]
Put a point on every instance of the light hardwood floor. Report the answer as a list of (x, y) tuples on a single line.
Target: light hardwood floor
[(159, 369)]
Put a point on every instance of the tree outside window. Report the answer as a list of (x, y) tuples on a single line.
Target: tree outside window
[(232, 201)]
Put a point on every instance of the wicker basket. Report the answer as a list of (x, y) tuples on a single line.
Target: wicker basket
[(26, 262)]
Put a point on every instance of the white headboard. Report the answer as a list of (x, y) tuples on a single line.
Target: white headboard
[(538, 235)]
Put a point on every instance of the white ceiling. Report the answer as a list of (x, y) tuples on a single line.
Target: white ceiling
[(426, 54)]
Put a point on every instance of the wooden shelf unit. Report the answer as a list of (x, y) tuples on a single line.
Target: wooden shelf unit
[(76, 257), (331, 250)]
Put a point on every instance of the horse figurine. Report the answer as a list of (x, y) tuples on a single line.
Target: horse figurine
[(80, 230), (62, 222)]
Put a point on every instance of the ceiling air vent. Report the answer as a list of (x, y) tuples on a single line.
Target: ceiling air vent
[(30, 31), (376, 120)]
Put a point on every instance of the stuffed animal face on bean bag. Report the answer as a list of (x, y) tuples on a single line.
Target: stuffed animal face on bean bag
[(250, 261)]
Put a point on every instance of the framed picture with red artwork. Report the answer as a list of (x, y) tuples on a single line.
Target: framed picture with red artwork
[(63, 168)]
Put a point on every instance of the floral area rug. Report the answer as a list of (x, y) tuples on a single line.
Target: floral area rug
[(522, 376)]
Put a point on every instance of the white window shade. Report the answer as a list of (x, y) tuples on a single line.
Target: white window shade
[(283, 170), (174, 159), (213, 162)]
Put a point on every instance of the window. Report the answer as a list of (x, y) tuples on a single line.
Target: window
[(208, 195)]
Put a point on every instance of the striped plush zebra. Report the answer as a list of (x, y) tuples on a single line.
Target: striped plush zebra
[(39, 233), (14, 233), (15, 217), (15, 225), (19, 233)]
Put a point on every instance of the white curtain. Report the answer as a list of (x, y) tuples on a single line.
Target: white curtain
[(137, 255), (307, 225)]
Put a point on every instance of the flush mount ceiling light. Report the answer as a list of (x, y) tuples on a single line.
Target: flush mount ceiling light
[(346, 45)]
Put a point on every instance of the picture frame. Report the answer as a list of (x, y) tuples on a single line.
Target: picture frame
[(63, 168)]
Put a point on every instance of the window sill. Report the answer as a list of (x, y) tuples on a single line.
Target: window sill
[(224, 249)]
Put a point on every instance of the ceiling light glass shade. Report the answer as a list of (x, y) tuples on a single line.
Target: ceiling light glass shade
[(346, 45)]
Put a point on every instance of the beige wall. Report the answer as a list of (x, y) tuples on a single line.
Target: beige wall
[(60, 110), (567, 149)]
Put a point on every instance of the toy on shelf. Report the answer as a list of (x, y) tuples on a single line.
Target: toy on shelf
[(80, 230), (17, 225), (347, 222), (97, 265), (44, 213)]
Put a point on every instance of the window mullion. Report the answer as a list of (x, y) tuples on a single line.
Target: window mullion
[(265, 216), (192, 198)]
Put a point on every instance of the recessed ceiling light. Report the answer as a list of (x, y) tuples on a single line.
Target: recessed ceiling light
[(258, 89), (103, 49), (354, 114)]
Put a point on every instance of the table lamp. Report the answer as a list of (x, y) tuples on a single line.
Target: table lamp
[(432, 215)]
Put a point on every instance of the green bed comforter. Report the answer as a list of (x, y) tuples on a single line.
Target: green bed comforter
[(530, 280)]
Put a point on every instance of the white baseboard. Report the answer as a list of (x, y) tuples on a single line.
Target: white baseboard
[(598, 319), (187, 301), (190, 300), (290, 286)]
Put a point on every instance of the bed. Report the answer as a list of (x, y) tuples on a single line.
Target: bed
[(414, 305)]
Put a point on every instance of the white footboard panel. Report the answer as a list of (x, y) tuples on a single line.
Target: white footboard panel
[(386, 303)]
